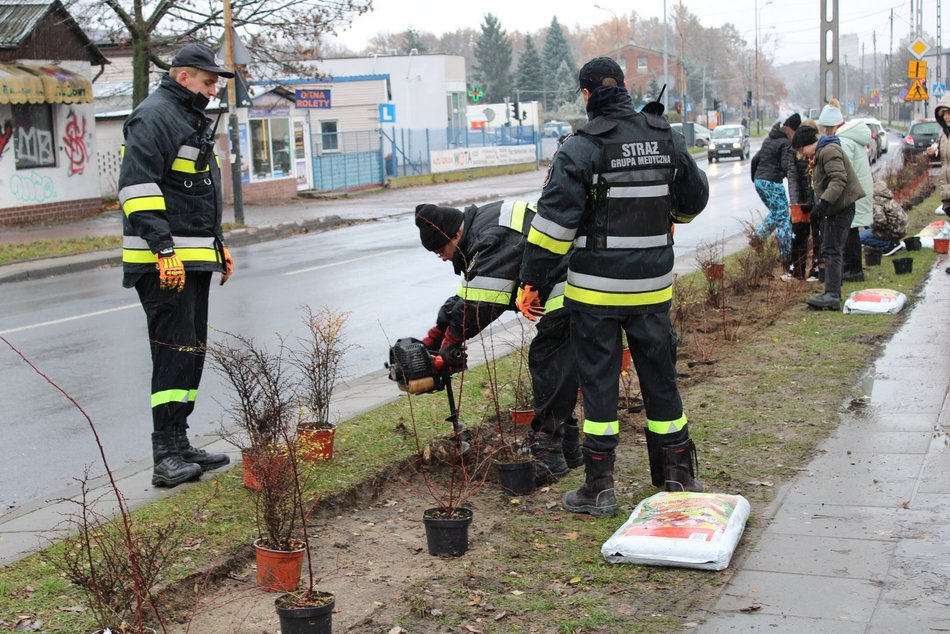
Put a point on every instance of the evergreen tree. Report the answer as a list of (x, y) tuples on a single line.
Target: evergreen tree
[(529, 76), (556, 51), (565, 88), (493, 59), (412, 40)]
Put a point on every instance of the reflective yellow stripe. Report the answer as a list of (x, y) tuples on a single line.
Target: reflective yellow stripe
[(122, 151), (600, 298), (554, 304), (548, 243), (666, 426), (192, 395), (185, 165), (141, 256), (170, 396), (610, 428), (488, 296), (145, 203)]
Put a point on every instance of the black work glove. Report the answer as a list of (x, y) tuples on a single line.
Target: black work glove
[(807, 207), (820, 210), (453, 357)]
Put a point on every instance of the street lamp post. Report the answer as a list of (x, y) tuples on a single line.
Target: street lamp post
[(758, 121), (616, 24)]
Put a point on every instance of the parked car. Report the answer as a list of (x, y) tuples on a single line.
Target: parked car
[(878, 131), (556, 128), (876, 146), (920, 135), (701, 133), (728, 141)]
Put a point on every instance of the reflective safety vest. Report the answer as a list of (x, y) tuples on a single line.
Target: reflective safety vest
[(170, 184)]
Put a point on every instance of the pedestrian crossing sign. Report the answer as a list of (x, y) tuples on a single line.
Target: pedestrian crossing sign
[(917, 91), (938, 90)]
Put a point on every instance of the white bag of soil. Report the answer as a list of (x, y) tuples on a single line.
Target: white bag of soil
[(874, 301), (688, 530)]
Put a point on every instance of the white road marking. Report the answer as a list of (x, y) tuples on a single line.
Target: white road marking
[(68, 319), (326, 266)]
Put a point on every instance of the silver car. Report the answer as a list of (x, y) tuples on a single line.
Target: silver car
[(728, 141)]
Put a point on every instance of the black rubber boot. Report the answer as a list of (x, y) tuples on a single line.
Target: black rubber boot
[(207, 461), (570, 444), (824, 301), (549, 464), (655, 454), (680, 463), (170, 470), (596, 495)]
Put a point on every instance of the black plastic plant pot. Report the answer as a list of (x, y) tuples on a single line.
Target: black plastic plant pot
[(303, 619), (912, 243), (903, 265), (872, 258), (516, 478), (447, 535)]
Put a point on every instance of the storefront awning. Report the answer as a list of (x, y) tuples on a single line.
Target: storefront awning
[(26, 83)]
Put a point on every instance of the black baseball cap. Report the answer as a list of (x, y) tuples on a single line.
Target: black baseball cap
[(201, 57), (592, 74)]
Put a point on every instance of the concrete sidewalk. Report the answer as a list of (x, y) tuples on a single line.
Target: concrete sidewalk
[(860, 541)]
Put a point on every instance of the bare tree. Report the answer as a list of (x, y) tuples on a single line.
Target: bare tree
[(277, 32)]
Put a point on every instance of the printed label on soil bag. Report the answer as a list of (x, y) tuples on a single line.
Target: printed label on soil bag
[(692, 530)]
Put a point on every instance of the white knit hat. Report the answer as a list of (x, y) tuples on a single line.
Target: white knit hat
[(830, 116)]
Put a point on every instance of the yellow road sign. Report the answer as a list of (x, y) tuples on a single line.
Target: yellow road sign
[(917, 69), (917, 91), (918, 47)]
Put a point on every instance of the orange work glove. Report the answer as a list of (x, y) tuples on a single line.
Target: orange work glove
[(528, 302), (171, 271), (228, 265)]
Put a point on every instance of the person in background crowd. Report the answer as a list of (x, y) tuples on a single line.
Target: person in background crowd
[(802, 267), (889, 223), (774, 162), (836, 189), (855, 137), (941, 150)]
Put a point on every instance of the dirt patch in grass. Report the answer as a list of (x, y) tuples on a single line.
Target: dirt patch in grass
[(777, 378)]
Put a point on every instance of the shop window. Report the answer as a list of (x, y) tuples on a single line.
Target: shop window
[(329, 139), (270, 148), (33, 136), (642, 62)]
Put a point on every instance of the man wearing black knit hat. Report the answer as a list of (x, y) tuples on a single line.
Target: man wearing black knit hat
[(485, 245)]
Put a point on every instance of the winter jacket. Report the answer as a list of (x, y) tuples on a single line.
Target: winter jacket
[(488, 258), (775, 160), (890, 219), (833, 178), (943, 180), (169, 199), (855, 136), (613, 191)]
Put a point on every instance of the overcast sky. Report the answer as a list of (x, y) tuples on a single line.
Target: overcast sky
[(788, 29)]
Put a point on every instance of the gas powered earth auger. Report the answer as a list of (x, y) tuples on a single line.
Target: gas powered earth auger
[(416, 370)]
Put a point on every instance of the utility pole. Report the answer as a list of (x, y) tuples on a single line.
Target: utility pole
[(890, 60), (666, 73), (682, 64), (830, 72), (237, 187)]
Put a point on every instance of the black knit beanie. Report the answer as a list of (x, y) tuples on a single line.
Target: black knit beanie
[(804, 135), (437, 225), (793, 121)]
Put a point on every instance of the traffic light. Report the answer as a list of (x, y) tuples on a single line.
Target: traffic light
[(715, 104), (517, 111), (748, 98)]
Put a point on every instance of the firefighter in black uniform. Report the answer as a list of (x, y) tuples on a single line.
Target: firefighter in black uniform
[(485, 245), (170, 192), (613, 192)]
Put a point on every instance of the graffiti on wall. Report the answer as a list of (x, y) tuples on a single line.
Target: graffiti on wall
[(74, 144), (32, 188), (6, 131), (35, 146)]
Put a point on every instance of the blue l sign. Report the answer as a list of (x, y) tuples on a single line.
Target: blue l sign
[(387, 113)]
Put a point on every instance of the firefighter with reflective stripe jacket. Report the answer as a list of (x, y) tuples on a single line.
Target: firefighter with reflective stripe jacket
[(170, 192), (485, 245), (613, 192)]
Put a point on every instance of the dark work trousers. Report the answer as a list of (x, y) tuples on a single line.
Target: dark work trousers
[(834, 235), (852, 252), (553, 372), (816, 262), (598, 348), (177, 332), (800, 263)]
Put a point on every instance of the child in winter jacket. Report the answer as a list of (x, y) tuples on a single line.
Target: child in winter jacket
[(836, 189), (888, 224)]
